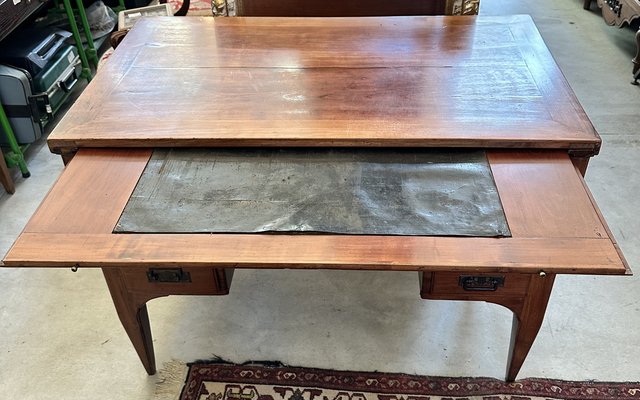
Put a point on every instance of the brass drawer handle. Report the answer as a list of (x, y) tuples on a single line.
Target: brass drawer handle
[(173, 275), (480, 283)]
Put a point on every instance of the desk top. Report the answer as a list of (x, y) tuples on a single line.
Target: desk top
[(389, 81)]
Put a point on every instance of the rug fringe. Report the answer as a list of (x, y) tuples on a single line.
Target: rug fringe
[(216, 359), (171, 379)]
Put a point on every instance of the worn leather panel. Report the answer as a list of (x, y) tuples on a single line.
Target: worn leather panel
[(342, 191)]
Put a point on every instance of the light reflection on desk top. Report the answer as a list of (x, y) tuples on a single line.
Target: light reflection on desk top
[(390, 81)]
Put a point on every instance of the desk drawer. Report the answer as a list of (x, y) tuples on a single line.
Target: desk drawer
[(194, 281), (435, 284)]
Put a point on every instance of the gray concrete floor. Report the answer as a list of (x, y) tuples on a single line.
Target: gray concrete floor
[(60, 337)]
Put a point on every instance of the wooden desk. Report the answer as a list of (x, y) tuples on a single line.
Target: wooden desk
[(397, 82)]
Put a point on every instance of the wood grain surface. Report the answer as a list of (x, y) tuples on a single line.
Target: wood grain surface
[(380, 81), (12, 14), (573, 241), (91, 193), (543, 197), (5, 176), (570, 256)]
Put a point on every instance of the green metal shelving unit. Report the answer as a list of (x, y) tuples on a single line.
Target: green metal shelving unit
[(15, 155), (90, 53)]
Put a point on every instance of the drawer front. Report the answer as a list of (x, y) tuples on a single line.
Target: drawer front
[(170, 281), (435, 284)]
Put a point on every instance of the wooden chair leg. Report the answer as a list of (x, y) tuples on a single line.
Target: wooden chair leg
[(134, 317), (5, 176), (527, 320), (636, 60)]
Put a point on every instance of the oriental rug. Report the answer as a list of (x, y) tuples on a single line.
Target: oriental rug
[(215, 381)]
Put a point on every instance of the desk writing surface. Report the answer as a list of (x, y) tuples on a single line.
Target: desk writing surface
[(393, 81), (408, 192)]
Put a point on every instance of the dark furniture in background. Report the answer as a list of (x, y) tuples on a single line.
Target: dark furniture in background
[(621, 13), (339, 8), (636, 60), (12, 15)]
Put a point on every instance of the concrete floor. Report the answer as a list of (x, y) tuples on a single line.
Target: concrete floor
[(60, 337)]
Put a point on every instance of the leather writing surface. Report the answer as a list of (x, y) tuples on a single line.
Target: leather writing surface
[(356, 191)]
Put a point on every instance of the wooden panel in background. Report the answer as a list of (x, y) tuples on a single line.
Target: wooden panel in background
[(338, 8), (13, 13), (5, 176)]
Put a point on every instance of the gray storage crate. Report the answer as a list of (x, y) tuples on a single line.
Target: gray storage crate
[(20, 105)]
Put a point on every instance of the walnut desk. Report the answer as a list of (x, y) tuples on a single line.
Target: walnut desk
[(419, 82)]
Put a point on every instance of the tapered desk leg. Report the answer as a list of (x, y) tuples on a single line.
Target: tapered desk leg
[(67, 156), (581, 164), (526, 295), (131, 288), (134, 317), (527, 320)]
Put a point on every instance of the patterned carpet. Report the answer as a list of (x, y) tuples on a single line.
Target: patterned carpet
[(258, 382)]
